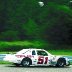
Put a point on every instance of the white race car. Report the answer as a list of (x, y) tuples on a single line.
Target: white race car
[(36, 57)]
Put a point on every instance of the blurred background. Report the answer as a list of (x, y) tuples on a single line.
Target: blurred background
[(30, 24)]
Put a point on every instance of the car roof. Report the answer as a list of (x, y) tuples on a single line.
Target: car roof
[(32, 49), (26, 50)]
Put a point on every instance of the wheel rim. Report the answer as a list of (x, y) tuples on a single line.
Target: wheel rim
[(26, 63), (61, 63)]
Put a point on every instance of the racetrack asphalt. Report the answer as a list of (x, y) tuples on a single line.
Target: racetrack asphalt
[(12, 68)]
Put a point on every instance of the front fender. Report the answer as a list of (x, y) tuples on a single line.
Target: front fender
[(56, 58)]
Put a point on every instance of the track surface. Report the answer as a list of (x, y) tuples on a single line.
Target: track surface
[(11, 68)]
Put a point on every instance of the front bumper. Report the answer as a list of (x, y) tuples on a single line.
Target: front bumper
[(68, 64)]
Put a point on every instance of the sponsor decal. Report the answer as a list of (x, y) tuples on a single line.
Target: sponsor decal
[(20, 56)]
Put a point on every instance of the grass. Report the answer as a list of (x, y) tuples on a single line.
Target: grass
[(61, 52), (7, 52), (22, 43), (18, 45), (4, 62)]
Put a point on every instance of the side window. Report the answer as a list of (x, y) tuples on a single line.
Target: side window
[(33, 52), (43, 53)]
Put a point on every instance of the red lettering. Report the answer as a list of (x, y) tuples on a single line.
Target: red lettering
[(46, 60), (20, 56), (40, 60)]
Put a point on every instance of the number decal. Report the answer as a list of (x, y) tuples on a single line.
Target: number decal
[(46, 60), (41, 60)]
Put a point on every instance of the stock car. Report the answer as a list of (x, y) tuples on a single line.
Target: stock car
[(36, 57)]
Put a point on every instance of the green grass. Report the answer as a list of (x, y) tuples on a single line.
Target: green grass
[(7, 52), (61, 52), (22, 43), (18, 45), (4, 62)]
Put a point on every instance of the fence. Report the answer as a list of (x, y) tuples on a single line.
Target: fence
[(2, 56)]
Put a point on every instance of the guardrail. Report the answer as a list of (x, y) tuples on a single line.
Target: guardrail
[(69, 57), (2, 56)]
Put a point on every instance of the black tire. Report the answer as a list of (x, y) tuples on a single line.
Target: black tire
[(26, 62), (61, 62), (16, 64)]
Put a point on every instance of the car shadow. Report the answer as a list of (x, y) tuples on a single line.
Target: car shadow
[(13, 66)]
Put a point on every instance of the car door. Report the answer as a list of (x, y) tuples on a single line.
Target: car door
[(42, 57)]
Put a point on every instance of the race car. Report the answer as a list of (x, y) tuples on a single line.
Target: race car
[(36, 57)]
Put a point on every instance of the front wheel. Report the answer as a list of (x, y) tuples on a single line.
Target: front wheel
[(61, 62)]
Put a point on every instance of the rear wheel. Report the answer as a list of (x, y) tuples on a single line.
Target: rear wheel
[(61, 62), (26, 62)]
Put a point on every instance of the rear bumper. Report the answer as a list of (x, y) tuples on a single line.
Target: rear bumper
[(12, 60)]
